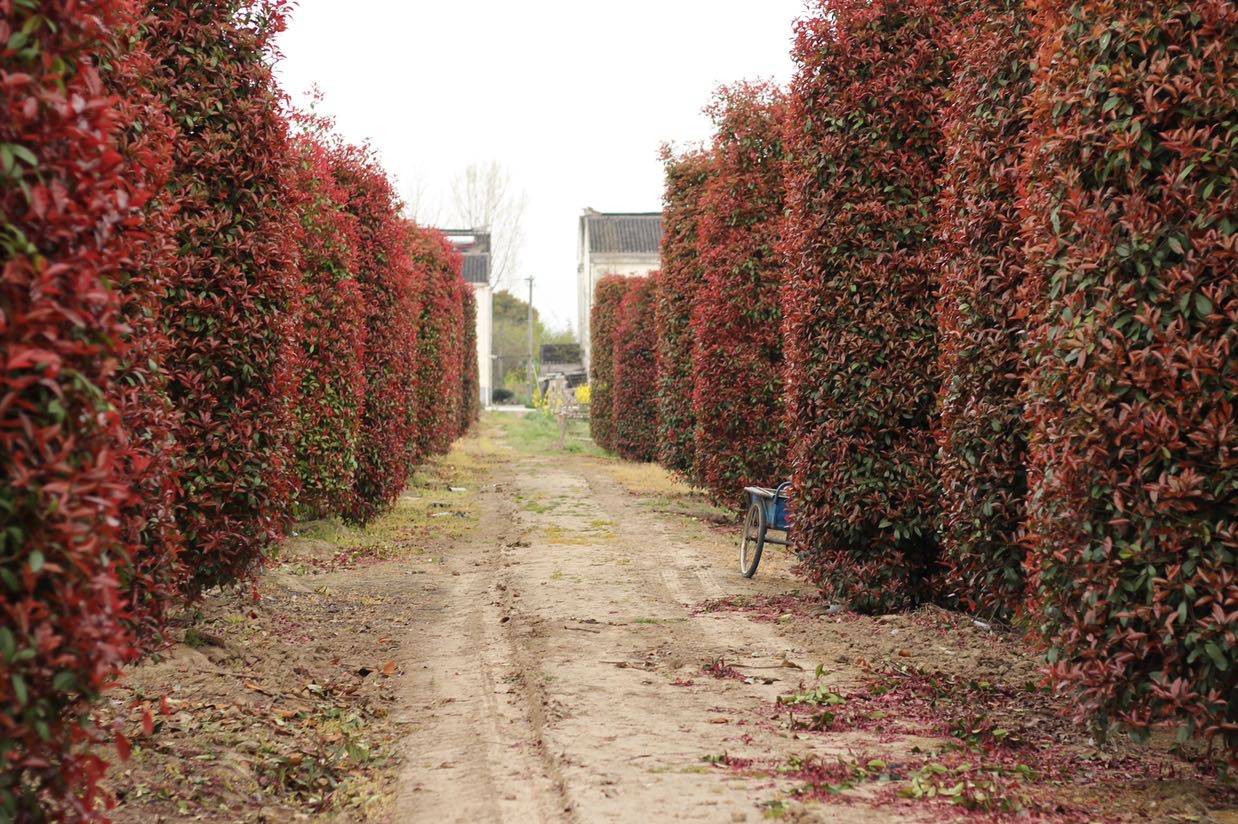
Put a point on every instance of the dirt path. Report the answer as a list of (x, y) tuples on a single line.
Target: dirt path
[(558, 671), (556, 674), (544, 636)]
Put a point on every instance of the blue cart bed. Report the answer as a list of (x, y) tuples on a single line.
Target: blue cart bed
[(766, 509)]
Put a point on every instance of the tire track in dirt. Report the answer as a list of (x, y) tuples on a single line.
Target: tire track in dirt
[(472, 757), (609, 589), (578, 602)]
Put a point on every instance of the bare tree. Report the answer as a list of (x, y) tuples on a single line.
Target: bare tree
[(418, 204), (483, 196)]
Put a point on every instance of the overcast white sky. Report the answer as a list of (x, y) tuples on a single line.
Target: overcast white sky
[(573, 97)]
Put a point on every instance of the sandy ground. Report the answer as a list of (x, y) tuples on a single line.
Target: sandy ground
[(579, 647), (558, 672)]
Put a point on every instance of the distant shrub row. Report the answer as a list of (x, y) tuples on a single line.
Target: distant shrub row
[(212, 318), (971, 281)]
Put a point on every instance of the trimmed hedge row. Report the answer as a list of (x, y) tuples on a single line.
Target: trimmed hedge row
[(206, 323), (387, 443), (470, 383), (440, 340), (73, 184), (980, 311), (608, 293), (737, 394), (148, 450), (333, 336), (1131, 401), (635, 413), (681, 276), (231, 313), (1009, 323), (864, 153)]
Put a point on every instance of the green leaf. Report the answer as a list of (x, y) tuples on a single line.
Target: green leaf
[(36, 561), (22, 153), (1218, 657), (19, 689)]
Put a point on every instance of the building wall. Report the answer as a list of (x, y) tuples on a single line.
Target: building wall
[(485, 345)]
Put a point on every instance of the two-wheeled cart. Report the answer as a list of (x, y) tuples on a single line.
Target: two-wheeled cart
[(767, 509)]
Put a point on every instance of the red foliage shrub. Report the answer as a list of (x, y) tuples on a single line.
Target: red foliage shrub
[(603, 316), (386, 445), (1129, 214), (470, 383), (440, 341), (80, 584), (232, 313), (676, 292), (635, 416), (737, 399), (860, 332), (331, 394), (982, 434), (149, 453)]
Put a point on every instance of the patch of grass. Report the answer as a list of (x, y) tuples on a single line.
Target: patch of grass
[(661, 491), (555, 534), (691, 505), (647, 479), (427, 513), (535, 506), (774, 810), (537, 433)]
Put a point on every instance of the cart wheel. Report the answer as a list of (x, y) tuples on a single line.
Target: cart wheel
[(752, 541)]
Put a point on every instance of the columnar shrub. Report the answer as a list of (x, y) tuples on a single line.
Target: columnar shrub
[(440, 340), (232, 313), (470, 383), (982, 434), (860, 333), (78, 582), (633, 392), (148, 450), (610, 290), (331, 393), (737, 398), (1129, 215), (686, 175), (386, 447)]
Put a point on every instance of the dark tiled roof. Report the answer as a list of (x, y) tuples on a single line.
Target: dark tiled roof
[(477, 268), (639, 234)]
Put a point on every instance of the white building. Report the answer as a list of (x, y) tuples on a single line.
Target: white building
[(474, 246), (619, 243)]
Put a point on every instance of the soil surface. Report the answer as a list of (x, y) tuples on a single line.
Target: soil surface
[(553, 635)]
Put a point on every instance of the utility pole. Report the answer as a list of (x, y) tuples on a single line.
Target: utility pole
[(532, 366)]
